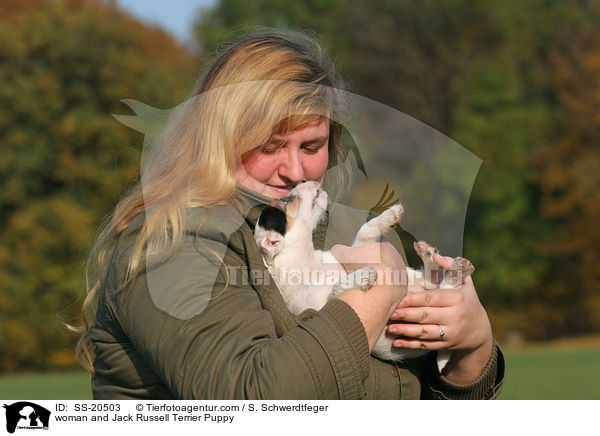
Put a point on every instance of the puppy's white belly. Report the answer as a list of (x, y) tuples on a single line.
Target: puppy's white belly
[(307, 284)]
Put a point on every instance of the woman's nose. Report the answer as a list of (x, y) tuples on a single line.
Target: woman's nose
[(291, 167)]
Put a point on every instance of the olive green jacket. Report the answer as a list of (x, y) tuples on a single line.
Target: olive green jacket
[(208, 322)]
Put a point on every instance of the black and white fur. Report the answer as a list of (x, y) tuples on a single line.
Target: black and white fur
[(284, 233)]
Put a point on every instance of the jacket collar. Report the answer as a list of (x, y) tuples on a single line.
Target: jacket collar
[(251, 204)]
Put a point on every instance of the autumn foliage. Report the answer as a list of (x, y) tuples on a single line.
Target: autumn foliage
[(64, 66)]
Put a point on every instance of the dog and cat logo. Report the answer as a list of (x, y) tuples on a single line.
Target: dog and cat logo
[(26, 415)]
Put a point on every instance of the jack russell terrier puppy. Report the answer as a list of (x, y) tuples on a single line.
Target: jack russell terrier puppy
[(284, 234)]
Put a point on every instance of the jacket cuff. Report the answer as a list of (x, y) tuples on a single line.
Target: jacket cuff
[(487, 386), (342, 336)]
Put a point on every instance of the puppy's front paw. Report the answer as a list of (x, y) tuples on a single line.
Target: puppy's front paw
[(321, 200), (365, 278), (305, 191), (361, 279)]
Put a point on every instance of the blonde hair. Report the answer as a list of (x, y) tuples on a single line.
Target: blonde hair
[(264, 84)]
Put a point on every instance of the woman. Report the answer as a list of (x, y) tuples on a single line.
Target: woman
[(185, 307)]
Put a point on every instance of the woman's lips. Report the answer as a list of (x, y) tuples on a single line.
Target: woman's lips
[(284, 191)]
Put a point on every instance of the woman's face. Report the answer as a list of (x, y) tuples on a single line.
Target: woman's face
[(274, 168)]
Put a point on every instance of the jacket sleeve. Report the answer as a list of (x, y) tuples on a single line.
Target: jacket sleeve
[(227, 347), (485, 387)]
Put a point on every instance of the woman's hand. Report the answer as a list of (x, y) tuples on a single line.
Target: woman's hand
[(375, 306), (379, 255), (466, 327)]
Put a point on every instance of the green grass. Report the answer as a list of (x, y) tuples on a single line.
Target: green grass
[(536, 373), (552, 374), (74, 385)]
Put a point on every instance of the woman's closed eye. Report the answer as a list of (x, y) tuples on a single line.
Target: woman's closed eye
[(274, 148), (270, 148), (312, 149)]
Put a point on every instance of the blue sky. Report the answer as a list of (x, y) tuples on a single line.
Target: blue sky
[(174, 16)]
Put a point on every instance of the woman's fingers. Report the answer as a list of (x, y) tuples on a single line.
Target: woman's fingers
[(420, 344), (427, 332), (443, 261), (421, 315), (419, 337), (439, 298)]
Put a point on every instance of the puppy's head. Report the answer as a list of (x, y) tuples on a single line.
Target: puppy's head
[(273, 223)]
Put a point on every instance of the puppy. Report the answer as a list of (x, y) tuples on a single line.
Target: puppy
[(308, 278)]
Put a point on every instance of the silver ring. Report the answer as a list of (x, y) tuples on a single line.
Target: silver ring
[(441, 332)]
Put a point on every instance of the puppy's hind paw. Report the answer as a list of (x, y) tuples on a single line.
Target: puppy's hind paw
[(392, 216), (464, 266), (424, 250), (398, 211), (459, 270)]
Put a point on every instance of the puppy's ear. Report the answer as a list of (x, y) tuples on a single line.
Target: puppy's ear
[(271, 244)]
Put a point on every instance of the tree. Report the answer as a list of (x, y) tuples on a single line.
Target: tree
[(65, 160), (569, 175)]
